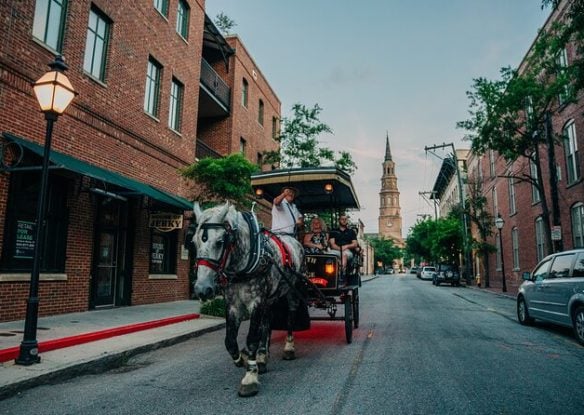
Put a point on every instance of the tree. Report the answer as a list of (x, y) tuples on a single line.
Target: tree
[(512, 115), (385, 250), (226, 178), (224, 23), (436, 241), (299, 145)]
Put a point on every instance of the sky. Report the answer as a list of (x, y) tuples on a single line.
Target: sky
[(384, 67)]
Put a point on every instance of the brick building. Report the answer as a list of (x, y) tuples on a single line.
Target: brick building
[(523, 240), (158, 87)]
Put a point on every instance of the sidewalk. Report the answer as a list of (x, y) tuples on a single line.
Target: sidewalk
[(95, 341)]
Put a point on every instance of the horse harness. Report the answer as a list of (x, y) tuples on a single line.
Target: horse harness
[(258, 258)]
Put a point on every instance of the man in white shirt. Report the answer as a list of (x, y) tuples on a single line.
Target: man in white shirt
[(286, 218)]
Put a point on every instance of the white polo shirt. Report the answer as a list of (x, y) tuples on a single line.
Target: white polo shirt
[(284, 217)]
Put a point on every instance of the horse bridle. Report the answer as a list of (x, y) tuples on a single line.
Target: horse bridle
[(218, 265)]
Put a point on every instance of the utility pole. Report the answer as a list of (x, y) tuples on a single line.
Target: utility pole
[(466, 242), (433, 197)]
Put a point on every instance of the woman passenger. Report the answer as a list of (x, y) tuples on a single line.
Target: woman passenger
[(316, 241)]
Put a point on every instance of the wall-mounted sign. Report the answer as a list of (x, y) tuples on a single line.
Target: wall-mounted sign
[(24, 241), (166, 222), (556, 233)]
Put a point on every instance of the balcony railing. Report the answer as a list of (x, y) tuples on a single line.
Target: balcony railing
[(202, 150), (215, 84)]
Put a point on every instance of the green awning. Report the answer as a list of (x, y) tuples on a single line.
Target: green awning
[(71, 163)]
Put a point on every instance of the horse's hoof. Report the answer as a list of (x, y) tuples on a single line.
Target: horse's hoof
[(289, 355), (262, 368), (245, 391)]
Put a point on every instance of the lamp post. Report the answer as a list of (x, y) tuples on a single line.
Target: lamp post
[(54, 93), (499, 222)]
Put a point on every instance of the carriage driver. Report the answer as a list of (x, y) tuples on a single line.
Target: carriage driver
[(344, 240), (286, 218)]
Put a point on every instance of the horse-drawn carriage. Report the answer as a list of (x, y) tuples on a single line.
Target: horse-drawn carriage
[(255, 269), (327, 192)]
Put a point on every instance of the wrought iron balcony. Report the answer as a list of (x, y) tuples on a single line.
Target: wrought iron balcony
[(202, 150), (219, 93)]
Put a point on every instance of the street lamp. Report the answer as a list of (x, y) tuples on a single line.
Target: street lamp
[(54, 93), (499, 222)]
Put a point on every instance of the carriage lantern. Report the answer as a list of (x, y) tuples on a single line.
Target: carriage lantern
[(328, 188), (259, 192)]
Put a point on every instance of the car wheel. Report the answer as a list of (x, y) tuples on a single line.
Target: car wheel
[(523, 313), (578, 319)]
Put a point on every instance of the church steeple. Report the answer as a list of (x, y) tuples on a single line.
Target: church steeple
[(387, 149), (390, 220)]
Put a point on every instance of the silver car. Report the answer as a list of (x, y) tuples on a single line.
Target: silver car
[(554, 292)]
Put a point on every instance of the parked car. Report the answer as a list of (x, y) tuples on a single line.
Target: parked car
[(446, 273), (554, 292), (427, 273), (414, 270)]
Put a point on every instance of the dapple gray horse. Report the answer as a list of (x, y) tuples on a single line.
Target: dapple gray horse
[(254, 269)]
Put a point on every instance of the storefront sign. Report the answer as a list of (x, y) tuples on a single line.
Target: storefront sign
[(24, 240), (166, 222)]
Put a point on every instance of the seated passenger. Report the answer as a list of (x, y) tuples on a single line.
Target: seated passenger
[(343, 240), (316, 241)]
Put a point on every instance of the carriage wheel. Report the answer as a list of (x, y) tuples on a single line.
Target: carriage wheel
[(348, 318), (356, 308)]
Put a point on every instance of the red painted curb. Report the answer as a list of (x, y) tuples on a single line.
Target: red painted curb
[(48, 345)]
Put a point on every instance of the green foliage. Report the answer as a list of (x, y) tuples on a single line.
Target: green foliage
[(226, 178), (299, 145), (224, 23), (385, 251), (436, 240), (214, 307)]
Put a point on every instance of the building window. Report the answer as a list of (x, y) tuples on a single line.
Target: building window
[(163, 252), (495, 201), (539, 239), (512, 204), (242, 145), (571, 149), (162, 7), (535, 197), (49, 22), (274, 128), (19, 231), (176, 105), (96, 44), (152, 93), (515, 247), (244, 92), (182, 19), (562, 65), (261, 112), (577, 213), (492, 163)]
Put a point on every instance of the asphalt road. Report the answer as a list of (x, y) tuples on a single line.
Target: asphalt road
[(419, 349)]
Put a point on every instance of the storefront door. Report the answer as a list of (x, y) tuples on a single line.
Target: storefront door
[(111, 268)]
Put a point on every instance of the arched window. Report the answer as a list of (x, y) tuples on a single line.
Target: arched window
[(571, 151)]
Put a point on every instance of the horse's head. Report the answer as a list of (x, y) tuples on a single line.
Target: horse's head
[(214, 240)]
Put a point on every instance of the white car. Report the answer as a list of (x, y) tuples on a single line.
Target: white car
[(427, 273)]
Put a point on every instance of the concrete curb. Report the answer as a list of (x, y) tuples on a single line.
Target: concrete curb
[(100, 364)]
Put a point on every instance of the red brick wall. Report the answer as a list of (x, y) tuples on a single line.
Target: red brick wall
[(105, 126), (224, 135)]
